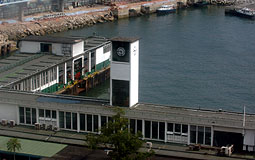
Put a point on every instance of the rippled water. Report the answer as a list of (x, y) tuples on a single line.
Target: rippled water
[(194, 58)]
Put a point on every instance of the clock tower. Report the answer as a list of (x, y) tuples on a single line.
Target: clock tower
[(124, 72)]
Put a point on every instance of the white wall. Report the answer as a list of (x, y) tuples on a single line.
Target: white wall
[(134, 73), (29, 47), (249, 137), (35, 47), (101, 56), (120, 71), (78, 48), (8, 111), (57, 48)]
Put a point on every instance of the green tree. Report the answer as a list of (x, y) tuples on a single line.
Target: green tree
[(13, 145), (116, 135)]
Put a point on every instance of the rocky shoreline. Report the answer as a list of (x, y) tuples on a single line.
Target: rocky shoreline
[(10, 33)]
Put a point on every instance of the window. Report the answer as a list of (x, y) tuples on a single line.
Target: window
[(170, 127), (147, 129), (161, 130), (155, 130), (21, 115), (107, 48), (82, 122), (184, 129), (61, 120), (95, 122), (48, 113), (139, 126), (28, 115), (54, 115), (193, 134), (89, 122), (74, 118), (132, 126), (177, 129), (208, 135), (33, 115), (68, 120), (45, 47), (103, 121), (200, 135)]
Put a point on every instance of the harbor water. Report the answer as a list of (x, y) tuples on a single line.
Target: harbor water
[(196, 58)]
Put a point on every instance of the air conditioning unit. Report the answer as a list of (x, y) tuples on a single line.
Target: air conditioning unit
[(4, 122), (12, 123), (37, 126)]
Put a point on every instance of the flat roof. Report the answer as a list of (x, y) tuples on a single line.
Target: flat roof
[(19, 66), (94, 41), (145, 111), (125, 39), (32, 147), (51, 39)]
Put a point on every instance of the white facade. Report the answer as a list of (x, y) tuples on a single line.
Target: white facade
[(249, 140), (77, 48), (8, 112), (134, 72), (101, 56)]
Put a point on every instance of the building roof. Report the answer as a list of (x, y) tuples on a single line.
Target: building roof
[(94, 41), (19, 66), (150, 112), (32, 147), (125, 39), (50, 39)]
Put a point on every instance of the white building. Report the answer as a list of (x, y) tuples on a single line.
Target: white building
[(156, 122)]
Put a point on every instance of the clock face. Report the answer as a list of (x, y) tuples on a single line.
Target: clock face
[(121, 51)]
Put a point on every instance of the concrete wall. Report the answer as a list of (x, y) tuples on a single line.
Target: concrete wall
[(8, 112), (29, 47), (134, 72), (57, 48), (249, 140), (77, 48)]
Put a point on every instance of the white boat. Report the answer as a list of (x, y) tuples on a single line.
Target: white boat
[(245, 12), (166, 9)]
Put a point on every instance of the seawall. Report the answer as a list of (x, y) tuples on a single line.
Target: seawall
[(12, 32)]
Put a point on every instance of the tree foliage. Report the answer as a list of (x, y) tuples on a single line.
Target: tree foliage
[(117, 136), (13, 145)]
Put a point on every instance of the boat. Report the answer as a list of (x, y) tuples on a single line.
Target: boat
[(245, 12), (166, 9), (200, 3)]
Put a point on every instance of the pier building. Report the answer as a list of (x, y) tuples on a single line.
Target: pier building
[(166, 124), (46, 63)]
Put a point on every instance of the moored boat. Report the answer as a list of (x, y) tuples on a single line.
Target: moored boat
[(166, 9), (245, 12)]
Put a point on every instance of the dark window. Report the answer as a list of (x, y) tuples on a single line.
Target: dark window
[(82, 122), (132, 126), (33, 115), (74, 117), (95, 120), (193, 134), (161, 130), (41, 112), (46, 47), (68, 120), (93, 60), (177, 128), (54, 114), (28, 116), (21, 115), (89, 122), (147, 129), (139, 126), (184, 128), (48, 114), (155, 130), (200, 135), (103, 121), (61, 120), (170, 127), (208, 135), (120, 95)]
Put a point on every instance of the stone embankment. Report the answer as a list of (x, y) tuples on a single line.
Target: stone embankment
[(10, 33)]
